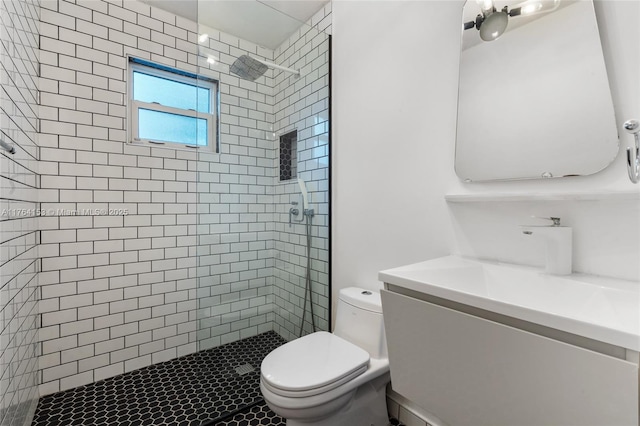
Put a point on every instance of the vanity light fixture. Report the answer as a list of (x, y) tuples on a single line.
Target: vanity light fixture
[(492, 23)]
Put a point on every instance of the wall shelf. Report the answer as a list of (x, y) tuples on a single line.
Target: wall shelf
[(558, 196)]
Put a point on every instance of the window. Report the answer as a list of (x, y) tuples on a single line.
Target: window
[(172, 108)]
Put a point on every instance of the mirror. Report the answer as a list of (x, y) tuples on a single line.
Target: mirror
[(535, 102)]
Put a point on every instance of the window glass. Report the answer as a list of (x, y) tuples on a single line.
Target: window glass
[(149, 88), (167, 127)]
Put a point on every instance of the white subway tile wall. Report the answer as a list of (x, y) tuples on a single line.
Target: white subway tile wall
[(170, 251), (302, 104), (19, 237)]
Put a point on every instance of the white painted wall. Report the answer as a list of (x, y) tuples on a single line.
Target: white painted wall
[(395, 74), (394, 86)]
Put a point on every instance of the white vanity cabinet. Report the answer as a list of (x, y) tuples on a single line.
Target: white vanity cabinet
[(471, 366), (467, 370)]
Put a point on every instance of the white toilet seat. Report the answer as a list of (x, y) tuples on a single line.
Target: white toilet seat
[(312, 365), (314, 391)]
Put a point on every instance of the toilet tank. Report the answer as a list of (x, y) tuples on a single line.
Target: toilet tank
[(359, 320)]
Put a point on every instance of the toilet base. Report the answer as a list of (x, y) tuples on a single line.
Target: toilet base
[(367, 407)]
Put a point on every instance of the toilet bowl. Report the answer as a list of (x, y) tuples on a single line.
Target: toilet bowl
[(333, 379)]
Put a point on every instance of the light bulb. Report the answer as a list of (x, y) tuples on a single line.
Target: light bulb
[(211, 60), (494, 26), (485, 5), (203, 38), (538, 6), (531, 8)]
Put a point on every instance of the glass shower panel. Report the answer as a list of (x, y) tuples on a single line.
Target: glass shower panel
[(252, 274)]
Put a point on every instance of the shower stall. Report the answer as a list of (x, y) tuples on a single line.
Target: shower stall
[(262, 264), (255, 270), (262, 207), (144, 256)]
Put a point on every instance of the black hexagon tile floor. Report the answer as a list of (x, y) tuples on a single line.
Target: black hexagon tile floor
[(192, 390), (259, 414), (216, 387)]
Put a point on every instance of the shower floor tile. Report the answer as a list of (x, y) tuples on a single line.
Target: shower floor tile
[(259, 414), (191, 390)]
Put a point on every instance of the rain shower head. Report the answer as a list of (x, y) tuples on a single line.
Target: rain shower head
[(250, 68)]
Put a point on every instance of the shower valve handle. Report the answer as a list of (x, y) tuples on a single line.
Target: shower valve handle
[(293, 212)]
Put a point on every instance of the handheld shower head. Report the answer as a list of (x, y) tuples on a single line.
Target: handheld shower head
[(305, 194)]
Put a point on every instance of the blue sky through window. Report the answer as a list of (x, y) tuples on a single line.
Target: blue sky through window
[(149, 88), (167, 127)]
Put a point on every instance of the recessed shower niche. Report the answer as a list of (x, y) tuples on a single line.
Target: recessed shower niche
[(288, 157)]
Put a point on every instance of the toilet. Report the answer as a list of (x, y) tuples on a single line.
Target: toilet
[(333, 379)]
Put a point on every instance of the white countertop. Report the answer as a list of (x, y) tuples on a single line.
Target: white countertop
[(599, 308)]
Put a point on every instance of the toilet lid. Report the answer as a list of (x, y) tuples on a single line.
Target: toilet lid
[(313, 361)]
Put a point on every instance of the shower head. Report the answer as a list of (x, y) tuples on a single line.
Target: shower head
[(248, 68)]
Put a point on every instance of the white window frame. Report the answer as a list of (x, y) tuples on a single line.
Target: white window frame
[(135, 106)]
